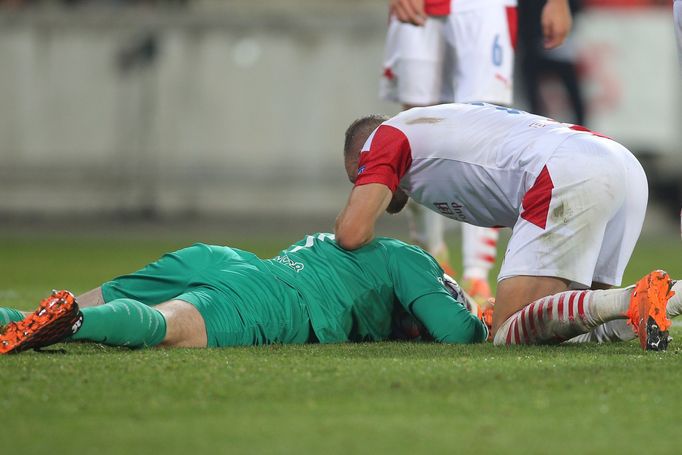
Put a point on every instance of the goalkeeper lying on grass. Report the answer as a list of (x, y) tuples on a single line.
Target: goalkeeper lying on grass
[(214, 296)]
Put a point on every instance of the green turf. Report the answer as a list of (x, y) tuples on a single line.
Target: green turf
[(359, 398)]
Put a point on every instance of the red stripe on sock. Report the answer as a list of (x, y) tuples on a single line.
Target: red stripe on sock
[(490, 242), (516, 332), (532, 319), (560, 308), (581, 305), (541, 309), (571, 299), (524, 322), (487, 258)]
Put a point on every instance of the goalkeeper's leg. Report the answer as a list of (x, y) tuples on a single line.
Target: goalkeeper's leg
[(127, 322), (8, 315)]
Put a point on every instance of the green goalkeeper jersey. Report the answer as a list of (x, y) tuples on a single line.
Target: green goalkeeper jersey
[(342, 295), (350, 295)]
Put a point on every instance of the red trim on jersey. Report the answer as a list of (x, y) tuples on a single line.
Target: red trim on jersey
[(437, 7), (587, 130), (387, 160), (513, 24), (536, 201)]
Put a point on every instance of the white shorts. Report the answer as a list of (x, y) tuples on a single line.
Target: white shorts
[(677, 15), (593, 207), (466, 56)]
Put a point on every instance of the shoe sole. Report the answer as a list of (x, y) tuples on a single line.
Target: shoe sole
[(651, 296), (46, 333)]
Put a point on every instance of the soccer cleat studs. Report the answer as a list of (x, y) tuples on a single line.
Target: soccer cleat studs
[(57, 318), (647, 312)]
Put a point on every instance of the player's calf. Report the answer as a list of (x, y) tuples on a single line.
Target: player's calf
[(560, 317)]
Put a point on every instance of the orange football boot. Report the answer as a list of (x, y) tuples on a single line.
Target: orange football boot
[(57, 318), (647, 310), (478, 289)]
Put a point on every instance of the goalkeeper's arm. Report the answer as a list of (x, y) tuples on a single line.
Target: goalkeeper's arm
[(447, 320)]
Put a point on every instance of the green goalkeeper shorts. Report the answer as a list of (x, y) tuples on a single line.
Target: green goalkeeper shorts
[(241, 302)]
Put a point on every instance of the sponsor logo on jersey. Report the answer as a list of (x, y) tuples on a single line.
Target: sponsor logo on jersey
[(537, 125), (286, 260), (451, 210), (361, 169)]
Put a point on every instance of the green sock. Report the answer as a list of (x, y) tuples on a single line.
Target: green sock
[(8, 315), (122, 322)]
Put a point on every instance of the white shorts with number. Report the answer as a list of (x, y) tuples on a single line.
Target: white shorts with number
[(594, 209), (466, 56)]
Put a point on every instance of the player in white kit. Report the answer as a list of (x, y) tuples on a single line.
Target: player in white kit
[(575, 201), (441, 51)]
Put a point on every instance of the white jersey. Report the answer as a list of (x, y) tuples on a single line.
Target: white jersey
[(576, 201), (471, 162)]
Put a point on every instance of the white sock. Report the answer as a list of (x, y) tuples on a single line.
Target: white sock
[(563, 316), (616, 330), (674, 307), (479, 251)]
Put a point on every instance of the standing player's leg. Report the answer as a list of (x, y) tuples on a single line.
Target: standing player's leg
[(427, 230), (484, 39), (413, 63), (479, 252), (413, 76)]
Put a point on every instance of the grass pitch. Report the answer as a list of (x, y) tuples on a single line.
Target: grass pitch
[(354, 398)]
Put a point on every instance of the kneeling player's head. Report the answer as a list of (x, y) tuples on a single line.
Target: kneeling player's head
[(356, 136)]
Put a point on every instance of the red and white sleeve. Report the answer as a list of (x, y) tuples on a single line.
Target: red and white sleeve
[(385, 159)]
